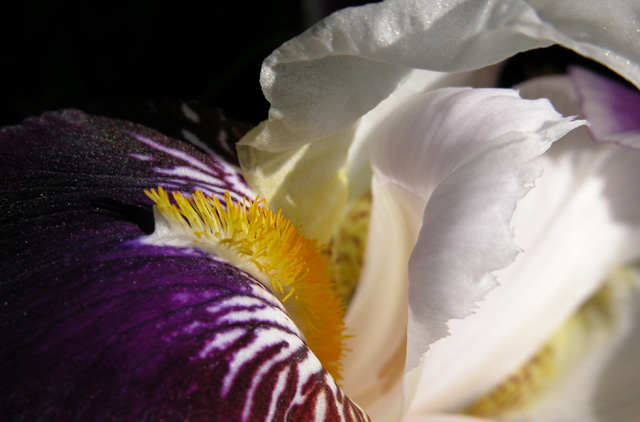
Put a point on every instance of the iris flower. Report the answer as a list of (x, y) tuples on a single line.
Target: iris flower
[(472, 296)]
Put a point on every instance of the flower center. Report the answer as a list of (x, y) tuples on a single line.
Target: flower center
[(267, 246), (346, 249)]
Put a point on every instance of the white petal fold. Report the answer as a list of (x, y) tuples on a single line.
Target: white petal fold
[(588, 195), (345, 65), (449, 166), (579, 223), (468, 154), (324, 80), (377, 316)]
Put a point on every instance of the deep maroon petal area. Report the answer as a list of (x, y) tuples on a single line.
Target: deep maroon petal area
[(96, 325)]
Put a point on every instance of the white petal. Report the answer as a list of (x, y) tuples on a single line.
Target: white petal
[(342, 67), (577, 225), (617, 397), (419, 81), (606, 32), (468, 155), (451, 164), (602, 383), (377, 316), (436, 139), (323, 81), (606, 385)]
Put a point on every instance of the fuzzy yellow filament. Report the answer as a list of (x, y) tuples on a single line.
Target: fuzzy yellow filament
[(274, 251)]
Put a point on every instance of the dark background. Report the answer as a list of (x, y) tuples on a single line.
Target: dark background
[(57, 54)]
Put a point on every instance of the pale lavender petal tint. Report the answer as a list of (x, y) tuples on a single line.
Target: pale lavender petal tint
[(98, 326), (612, 108)]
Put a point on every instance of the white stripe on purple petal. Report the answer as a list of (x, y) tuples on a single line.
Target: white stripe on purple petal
[(193, 138), (210, 180), (262, 350)]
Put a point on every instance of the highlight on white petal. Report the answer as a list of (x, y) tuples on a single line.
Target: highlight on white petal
[(320, 83), (577, 225), (337, 70), (606, 32)]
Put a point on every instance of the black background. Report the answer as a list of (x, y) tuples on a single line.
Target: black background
[(58, 54)]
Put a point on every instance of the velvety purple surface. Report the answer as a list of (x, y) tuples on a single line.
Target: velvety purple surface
[(117, 338), (97, 326), (86, 309)]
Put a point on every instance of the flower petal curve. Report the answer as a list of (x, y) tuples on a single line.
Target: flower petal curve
[(321, 82), (468, 155), (465, 157), (603, 384), (576, 226), (377, 315)]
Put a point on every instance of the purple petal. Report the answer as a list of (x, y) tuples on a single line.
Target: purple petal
[(140, 334), (206, 128), (612, 109), (98, 326)]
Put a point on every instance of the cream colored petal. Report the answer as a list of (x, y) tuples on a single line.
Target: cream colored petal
[(309, 183)]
